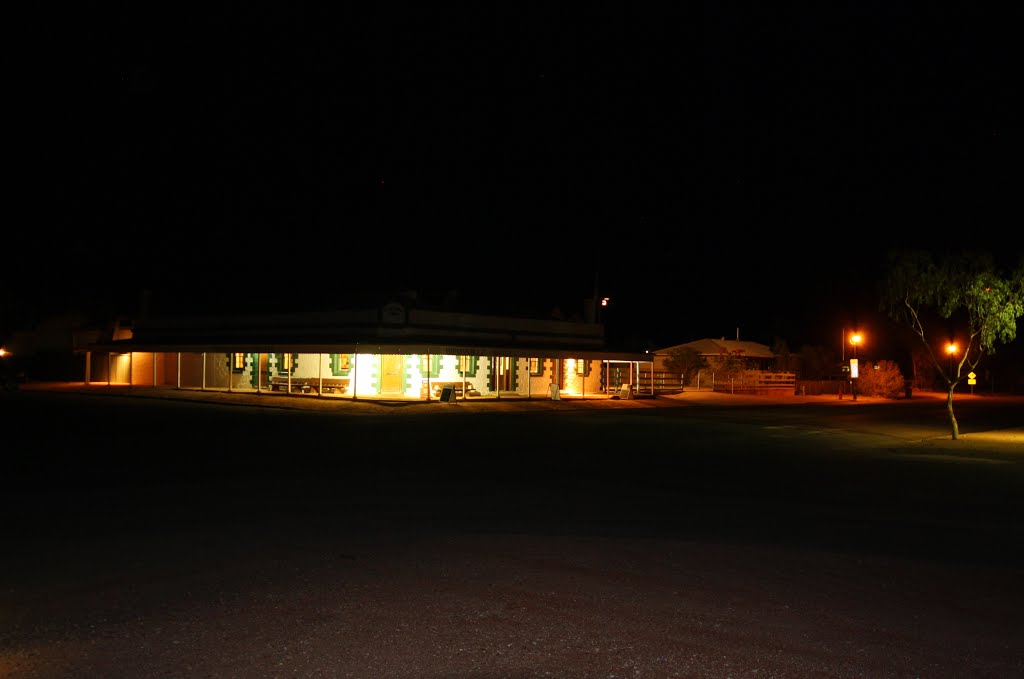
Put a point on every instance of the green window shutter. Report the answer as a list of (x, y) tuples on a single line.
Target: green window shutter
[(435, 365), (472, 363)]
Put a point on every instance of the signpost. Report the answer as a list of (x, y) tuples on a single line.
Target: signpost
[(854, 374), (972, 379)]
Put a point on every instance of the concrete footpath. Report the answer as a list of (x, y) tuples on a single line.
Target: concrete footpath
[(484, 403)]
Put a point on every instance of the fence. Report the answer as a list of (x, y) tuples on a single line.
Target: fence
[(745, 381), (820, 387)]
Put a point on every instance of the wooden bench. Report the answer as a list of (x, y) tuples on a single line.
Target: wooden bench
[(306, 385), (436, 387), (299, 384), (335, 385)]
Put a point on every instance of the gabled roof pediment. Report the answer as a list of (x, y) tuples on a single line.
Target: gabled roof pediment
[(723, 347)]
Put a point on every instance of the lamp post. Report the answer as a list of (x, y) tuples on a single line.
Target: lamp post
[(951, 349), (855, 340)]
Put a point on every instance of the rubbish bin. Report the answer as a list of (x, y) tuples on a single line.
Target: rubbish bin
[(554, 393)]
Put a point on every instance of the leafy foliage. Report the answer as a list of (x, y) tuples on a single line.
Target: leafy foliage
[(732, 363), (965, 286), (968, 291), (686, 361), (817, 363), (884, 380), (785, 360)]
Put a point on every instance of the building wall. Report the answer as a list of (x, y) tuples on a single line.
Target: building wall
[(191, 369), (364, 372), (142, 368)]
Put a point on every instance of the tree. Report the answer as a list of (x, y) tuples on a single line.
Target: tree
[(686, 361), (817, 362), (966, 289), (785, 361)]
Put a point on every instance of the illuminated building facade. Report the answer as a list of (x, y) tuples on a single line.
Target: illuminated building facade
[(393, 352)]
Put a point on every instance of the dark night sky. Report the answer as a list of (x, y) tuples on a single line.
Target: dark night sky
[(718, 167)]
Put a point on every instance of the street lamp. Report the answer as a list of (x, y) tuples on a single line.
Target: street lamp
[(855, 340), (951, 349)]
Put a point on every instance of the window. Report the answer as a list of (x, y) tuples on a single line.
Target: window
[(237, 363), (536, 366), (286, 363), (339, 364), (431, 367), (582, 367), (467, 366)]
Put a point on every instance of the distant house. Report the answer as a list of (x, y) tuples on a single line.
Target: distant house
[(719, 353), (731, 365)]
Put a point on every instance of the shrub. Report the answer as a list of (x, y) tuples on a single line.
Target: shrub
[(885, 380)]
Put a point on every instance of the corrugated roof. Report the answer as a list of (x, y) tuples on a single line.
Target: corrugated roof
[(390, 330), (724, 347)]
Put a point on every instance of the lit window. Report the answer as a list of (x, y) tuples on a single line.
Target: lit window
[(536, 367), (468, 366), (339, 364), (430, 364), (236, 362)]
